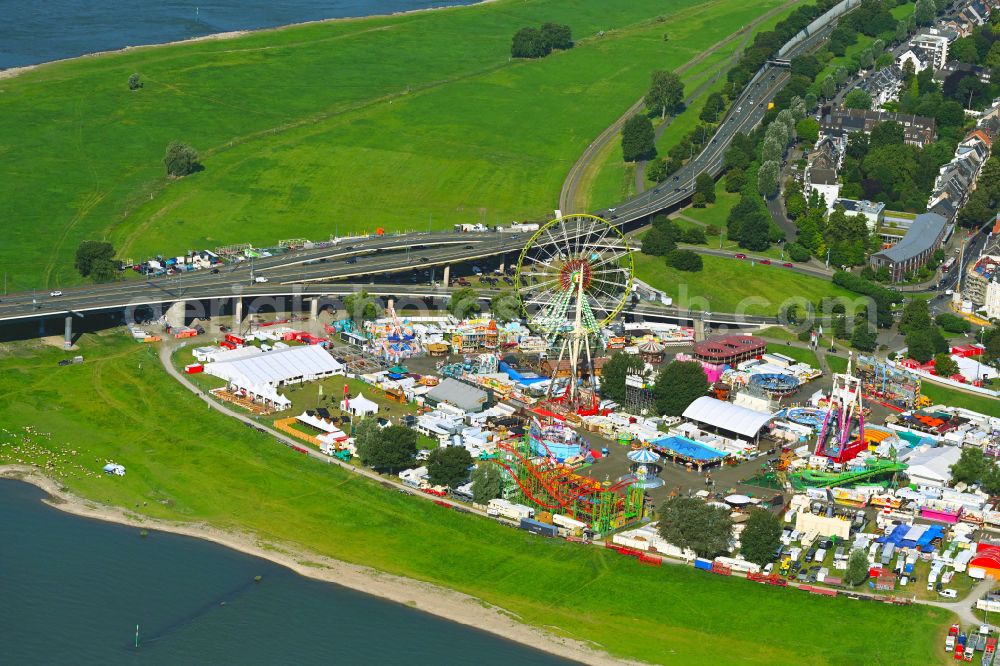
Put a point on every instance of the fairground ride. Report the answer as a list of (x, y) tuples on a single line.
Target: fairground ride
[(573, 278), (843, 409), (546, 484)]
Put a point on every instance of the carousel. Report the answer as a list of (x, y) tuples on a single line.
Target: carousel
[(644, 468), (652, 351)]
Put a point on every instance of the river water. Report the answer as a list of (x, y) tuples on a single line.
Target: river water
[(34, 32), (72, 591)]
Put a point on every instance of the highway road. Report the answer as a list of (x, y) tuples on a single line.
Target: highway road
[(360, 259)]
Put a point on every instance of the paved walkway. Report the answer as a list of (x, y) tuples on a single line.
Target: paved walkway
[(963, 608)]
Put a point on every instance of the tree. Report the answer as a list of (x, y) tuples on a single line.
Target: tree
[(857, 568), (529, 43), (688, 522), (181, 160), (656, 170), (505, 306), (104, 270), (684, 260), (952, 323), (767, 178), (657, 242), (360, 307), (134, 82), (889, 133), (678, 385), (705, 185), (797, 252), (828, 88), (695, 235), (448, 466), (735, 180), (761, 537), (638, 138), (486, 483), (858, 99), (389, 449), (807, 130), (945, 365), (714, 105), (924, 12), (89, 254), (557, 36), (919, 346), (463, 302), (971, 466), (916, 317), (666, 93), (614, 372), (773, 150), (864, 337), (755, 233)]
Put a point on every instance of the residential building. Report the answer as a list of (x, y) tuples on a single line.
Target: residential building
[(957, 178), (917, 130), (823, 182), (992, 304), (872, 211), (933, 46), (908, 255), (915, 60), (883, 85), (961, 69), (978, 278)]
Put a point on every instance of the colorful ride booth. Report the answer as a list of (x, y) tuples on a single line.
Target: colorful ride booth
[(688, 452)]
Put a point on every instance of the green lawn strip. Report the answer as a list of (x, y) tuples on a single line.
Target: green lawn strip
[(184, 462), (836, 363), (325, 128), (716, 214), (949, 396), (733, 285), (777, 333), (801, 355)]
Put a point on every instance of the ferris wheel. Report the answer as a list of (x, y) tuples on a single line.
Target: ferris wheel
[(573, 278), (575, 271)]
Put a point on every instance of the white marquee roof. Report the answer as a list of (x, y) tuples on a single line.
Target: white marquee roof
[(275, 367), (727, 416)]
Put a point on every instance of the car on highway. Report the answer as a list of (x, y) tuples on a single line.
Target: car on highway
[(740, 256), (260, 279), (352, 260), (424, 259), (55, 293), (788, 265), (349, 247), (766, 262), (468, 247), (215, 271)]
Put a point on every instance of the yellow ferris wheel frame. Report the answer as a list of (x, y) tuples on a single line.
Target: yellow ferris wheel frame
[(614, 312)]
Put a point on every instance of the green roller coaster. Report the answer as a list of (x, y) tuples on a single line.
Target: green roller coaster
[(811, 478)]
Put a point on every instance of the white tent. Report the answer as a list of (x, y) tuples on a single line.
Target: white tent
[(276, 368), (932, 466), (359, 406), (316, 422), (727, 416)]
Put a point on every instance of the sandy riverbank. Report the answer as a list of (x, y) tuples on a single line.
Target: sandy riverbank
[(16, 71), (426, 597)]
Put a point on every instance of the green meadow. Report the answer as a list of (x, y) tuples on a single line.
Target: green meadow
[(191, 464), (400, 122)]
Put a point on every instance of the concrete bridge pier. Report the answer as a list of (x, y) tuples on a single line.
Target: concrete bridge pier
[(237, 313), (313, 307), (446, 280), (699, 329), (68, 332), (175, 314)]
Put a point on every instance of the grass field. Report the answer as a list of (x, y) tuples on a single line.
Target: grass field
[(733, 285), (397, 122), (777, 333), (188, 463), (949, 396), (801, 355)]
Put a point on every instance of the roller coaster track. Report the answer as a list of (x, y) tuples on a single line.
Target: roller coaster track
[(815, 479)]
